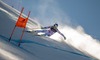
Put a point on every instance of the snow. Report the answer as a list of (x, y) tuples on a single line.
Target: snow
[(32, 47)]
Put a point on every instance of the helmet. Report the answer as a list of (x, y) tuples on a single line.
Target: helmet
[(56, 24)]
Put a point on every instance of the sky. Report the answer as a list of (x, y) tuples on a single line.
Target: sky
[(85, 13)]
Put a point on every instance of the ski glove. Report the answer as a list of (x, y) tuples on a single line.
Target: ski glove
[(64, 37)]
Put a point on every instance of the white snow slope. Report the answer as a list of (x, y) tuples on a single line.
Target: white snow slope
[(32, 47)]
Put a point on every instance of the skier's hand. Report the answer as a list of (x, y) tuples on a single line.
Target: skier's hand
[(64, 37)]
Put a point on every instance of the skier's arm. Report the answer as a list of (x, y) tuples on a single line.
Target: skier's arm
[(61, 34), (45, 27)]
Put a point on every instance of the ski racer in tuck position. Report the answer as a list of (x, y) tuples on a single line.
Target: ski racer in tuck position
[(48, 31)]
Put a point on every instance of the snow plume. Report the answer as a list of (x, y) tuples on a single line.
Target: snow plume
[(78, 39), (49, 14)]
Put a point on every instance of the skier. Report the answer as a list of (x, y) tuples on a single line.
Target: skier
[(48, 31)]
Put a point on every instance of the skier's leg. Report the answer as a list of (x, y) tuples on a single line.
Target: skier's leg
[(40, 30), (37, 31), (46, 32), (49, 33)]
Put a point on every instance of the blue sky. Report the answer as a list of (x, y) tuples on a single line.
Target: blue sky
[(76, 12), (85, 13)]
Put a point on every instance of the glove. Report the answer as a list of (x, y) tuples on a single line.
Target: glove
[(65, 38)]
